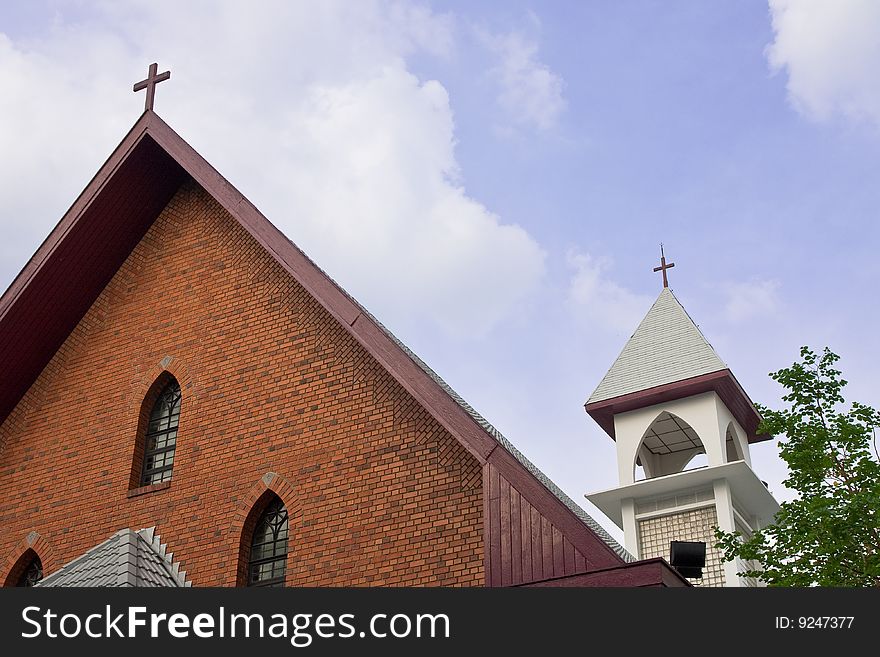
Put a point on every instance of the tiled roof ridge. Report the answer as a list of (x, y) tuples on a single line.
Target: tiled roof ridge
[(149, 536)]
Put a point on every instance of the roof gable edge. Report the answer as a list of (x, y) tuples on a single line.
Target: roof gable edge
[(76, 210)]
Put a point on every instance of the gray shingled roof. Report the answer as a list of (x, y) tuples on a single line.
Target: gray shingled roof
[(128, 558), (666, 347)]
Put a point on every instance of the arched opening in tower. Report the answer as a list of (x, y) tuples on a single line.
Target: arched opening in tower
[(669, 445)]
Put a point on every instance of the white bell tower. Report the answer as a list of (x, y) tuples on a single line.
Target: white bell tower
[(667, 399)]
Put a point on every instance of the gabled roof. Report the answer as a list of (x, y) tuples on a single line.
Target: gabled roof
[(666, 347), (128, 558), (96, 235), (668, 358)]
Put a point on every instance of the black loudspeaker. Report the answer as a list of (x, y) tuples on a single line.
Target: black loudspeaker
[(688, 558)]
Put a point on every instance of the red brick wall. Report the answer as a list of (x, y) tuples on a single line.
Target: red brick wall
[(378, 492)]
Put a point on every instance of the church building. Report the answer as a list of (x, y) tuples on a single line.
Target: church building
[(188, 400)]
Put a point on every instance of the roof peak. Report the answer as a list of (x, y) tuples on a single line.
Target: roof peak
[(666, 347)]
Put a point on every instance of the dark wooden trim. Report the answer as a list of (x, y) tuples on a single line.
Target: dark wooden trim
[(671, 577), (537, 543), (504, 535), (515, 536), (493, 518), (580, 564), (525, 512), (376, 341), (487, 569), (647, 573), (424, 389), (290, 257), (569, 552), (74, 263), (546, 546), (73, 215), (597, 552), (721, 382)]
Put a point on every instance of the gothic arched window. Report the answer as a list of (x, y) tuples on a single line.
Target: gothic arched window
[(32, 573), (268, 554), (161, 436)]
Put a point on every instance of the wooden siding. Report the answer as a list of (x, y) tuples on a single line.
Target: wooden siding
[(523, 545)]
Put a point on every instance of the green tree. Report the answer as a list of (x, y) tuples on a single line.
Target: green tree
[(830, 534)]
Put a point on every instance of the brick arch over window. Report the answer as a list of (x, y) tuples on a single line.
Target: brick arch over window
[(173, 365), (145, 379), (146, 386), (162, 384), (21, 556), (248, 512)]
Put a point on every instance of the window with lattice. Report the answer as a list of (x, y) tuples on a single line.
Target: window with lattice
[(268, 554), (160, 438)]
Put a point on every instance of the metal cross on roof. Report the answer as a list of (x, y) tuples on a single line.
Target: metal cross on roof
[(150, 84), (663, 266)]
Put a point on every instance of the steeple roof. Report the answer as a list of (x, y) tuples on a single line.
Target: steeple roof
[(669, 358), (666, 347)]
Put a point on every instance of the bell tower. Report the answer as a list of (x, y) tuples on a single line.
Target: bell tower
[(682, 426)]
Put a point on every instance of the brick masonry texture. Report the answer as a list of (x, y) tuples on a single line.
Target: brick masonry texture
[(276, 396)]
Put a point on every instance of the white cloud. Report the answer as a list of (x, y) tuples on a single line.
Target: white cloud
[(308, 108), (52, 135), (528, 91), (601, 301), (751, 299), (384, 205), (831, 53)]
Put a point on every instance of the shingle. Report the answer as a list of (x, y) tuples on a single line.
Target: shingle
[(666, 347), (128, 558)]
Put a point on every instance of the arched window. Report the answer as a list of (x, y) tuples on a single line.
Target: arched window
[(268, 554), (32, 574), (27, 571), (161, 436)]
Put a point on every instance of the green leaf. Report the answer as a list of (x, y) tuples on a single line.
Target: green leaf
[(830, 534)]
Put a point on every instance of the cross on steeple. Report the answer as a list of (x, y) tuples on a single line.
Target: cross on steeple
[(150, 84), (663, 266)]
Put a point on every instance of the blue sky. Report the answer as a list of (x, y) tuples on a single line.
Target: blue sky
[(493, 179)]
